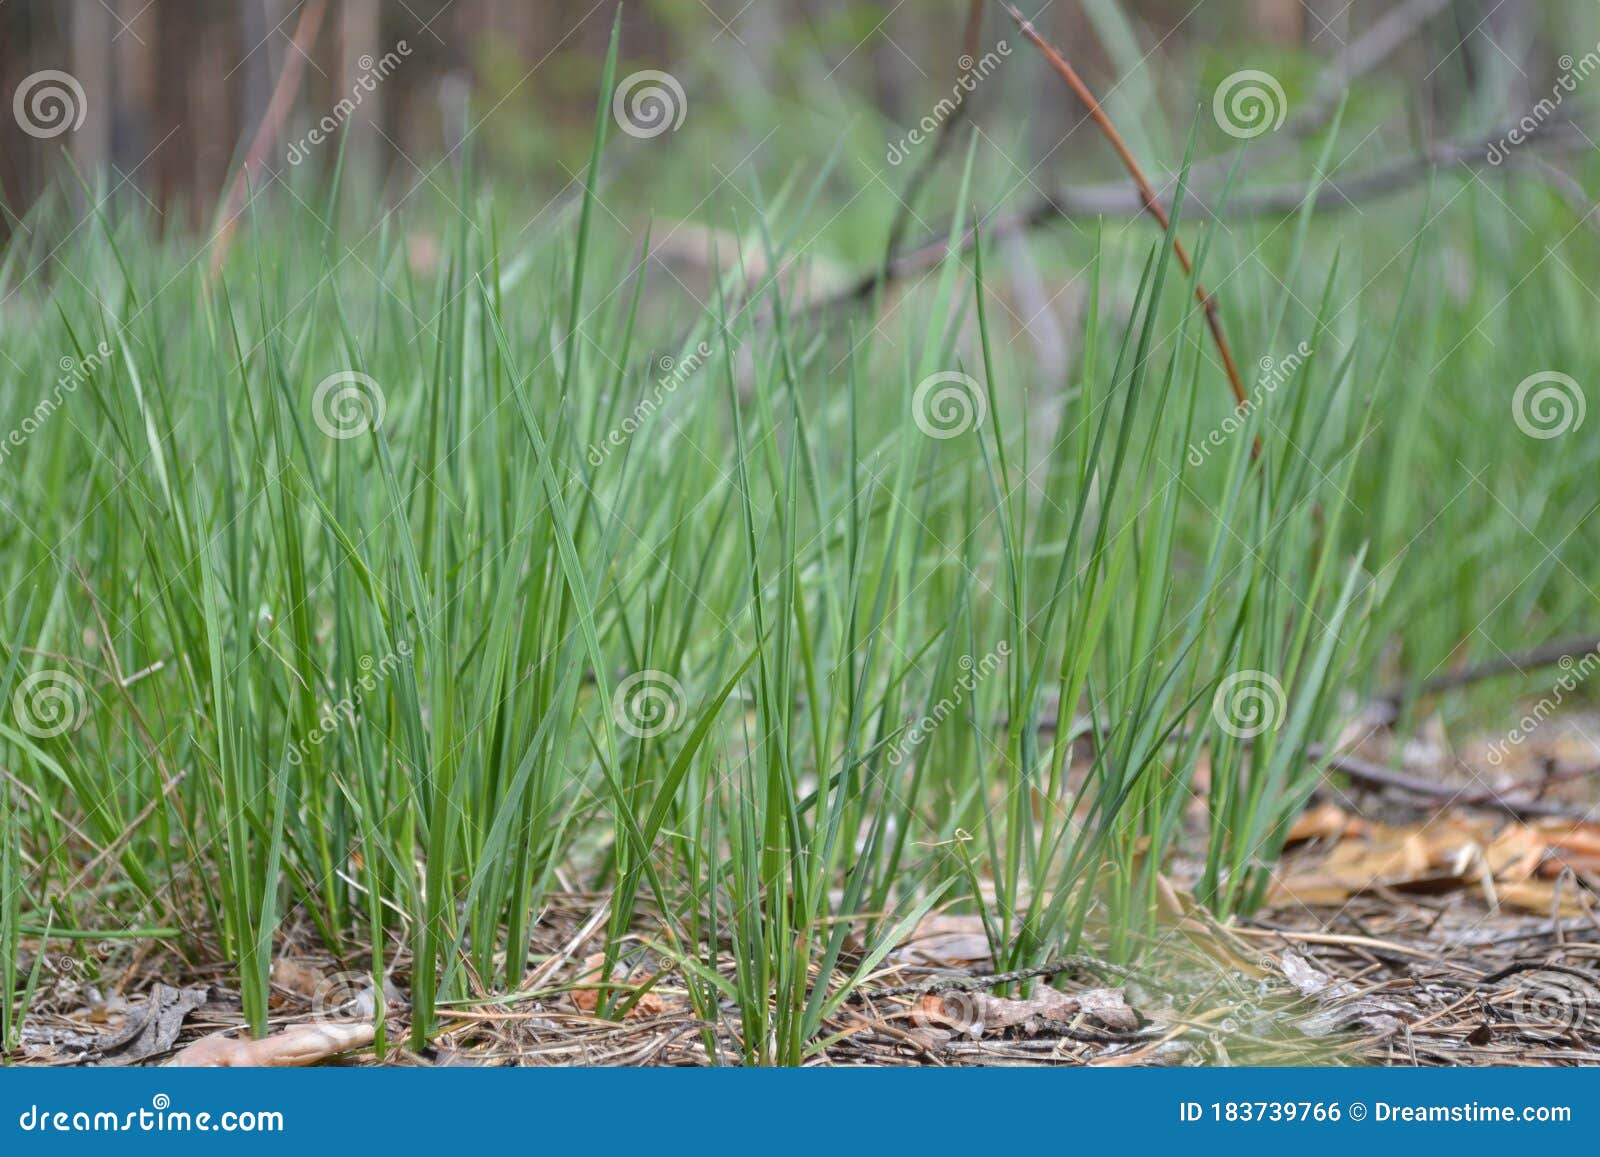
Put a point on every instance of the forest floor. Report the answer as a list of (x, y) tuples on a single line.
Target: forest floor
[(1455, 930)]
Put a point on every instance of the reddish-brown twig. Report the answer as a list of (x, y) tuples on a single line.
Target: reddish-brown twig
[(1146, 193)]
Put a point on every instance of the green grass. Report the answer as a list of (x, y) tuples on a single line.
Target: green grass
[(367, 654)]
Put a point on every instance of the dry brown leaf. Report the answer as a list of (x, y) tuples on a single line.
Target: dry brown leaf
[(1540, 898), (296, 977), (1169, 901), (1309, 890), (1515, 853), (295, 1047), (587, 1000), (1455, 839), (1326, 821), (1582, 839), (946, 940), (152, 1027), (1386, 855), (1561, 861), (1510, 863)]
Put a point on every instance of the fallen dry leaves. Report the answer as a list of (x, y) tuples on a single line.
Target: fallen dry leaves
[(296, 977), (946, 940), (150, 1028), (1326, 821), (587, 999), (954, 1012), (1521, 865)]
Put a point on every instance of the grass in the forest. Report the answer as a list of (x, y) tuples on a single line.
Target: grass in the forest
[(338, 591)]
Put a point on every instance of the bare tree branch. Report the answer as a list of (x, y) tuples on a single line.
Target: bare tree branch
[(1117, 200)]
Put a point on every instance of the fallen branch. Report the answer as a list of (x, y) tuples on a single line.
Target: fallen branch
[(1116, 200), (1357, 59), (1361, 56), (1522, 966), (975, 983), (1374, 775), (1544, 655)]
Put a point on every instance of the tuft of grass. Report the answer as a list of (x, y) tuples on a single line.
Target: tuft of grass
[(387, 599)]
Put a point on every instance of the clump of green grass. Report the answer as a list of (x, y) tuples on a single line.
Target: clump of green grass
[(353, 627)]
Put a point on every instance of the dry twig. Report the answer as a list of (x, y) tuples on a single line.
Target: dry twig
[(1147, 195), (294, 66)]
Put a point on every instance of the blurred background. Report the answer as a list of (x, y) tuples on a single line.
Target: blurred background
[(174, 91)]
